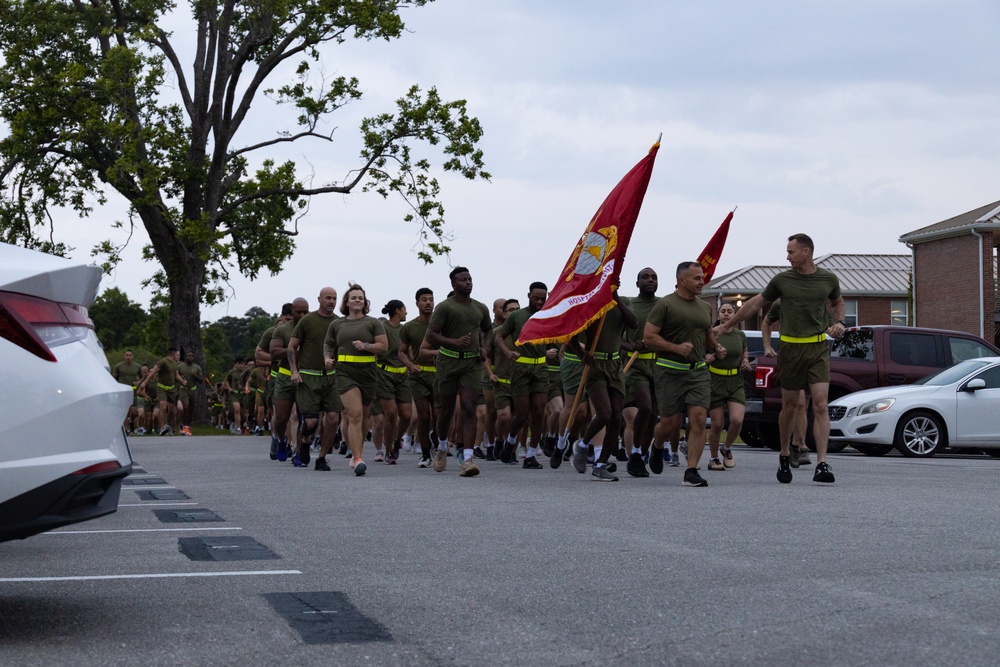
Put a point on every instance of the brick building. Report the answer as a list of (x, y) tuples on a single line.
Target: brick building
[(955, 272), (876, 288)]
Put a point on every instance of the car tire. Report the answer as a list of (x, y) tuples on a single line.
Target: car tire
[(873, 450), (920, 434), (995, 453), (769, 435), (750, 438)]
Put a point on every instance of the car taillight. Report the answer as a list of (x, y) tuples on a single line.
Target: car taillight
[(37, 324), (762, 377), (98, 467)]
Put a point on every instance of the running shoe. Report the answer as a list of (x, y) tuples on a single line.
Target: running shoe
[(580, 457), (390, 460), (359, 467), (683, 447), (656, 460), (727, 458), (784, 471), (468, 469), (823, 473), (477, 453), (489, 454), (611, 466), (692, 478), (675, 460), (407, 443), (549, 445), (716, 464), (635, 466), (532, 463), (274, 449), (804, 457), (304, 456), (556, 459), (793, 457), (440, 460), (282, 451), (602, 474), (621, 454), (297, 462), (506, 452), (321, 464), (379, 457), (425, 462), (166, 430)]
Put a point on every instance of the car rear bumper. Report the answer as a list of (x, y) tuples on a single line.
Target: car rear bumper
[(67, 500)]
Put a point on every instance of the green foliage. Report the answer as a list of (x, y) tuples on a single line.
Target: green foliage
[(117, 320), (97, 101)]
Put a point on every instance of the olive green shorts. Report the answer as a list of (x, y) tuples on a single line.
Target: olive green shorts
[(677, 389), (803, 364), (503, 397), (318, 393), (363, 375), (422, 386), (606, 373), (394, 386), (284, 388), (555, 382), (528, 379), (455, 373), (727, 389), (571, 372)]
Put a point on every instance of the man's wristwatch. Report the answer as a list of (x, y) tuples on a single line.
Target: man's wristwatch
[(842, 323)]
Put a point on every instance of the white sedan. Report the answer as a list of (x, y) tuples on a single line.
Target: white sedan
[(63, 452), (957, 407)]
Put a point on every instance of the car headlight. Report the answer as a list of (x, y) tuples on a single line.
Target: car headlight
[(880, 405)]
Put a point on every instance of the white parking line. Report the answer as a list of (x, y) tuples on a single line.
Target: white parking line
[(165, 575), (151, 504), (133, 530)]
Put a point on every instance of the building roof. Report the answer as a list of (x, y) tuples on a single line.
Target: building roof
[(981, 219), (860, 275)]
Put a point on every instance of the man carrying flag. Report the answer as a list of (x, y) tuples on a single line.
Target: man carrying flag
[(583, 293)]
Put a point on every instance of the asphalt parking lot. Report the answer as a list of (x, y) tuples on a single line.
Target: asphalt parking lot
[(896, 563)]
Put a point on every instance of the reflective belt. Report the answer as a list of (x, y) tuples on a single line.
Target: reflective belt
[(606, 356), (553, 369), (165, 387), (259, 391), (723, 371), (572, 357), (284, 371), (677, 366), (503, 380), (458, 355), (644, 355), (392, 369), (428, 369), (818, 338), (356, 358), (533, 361), (274, 374), (304, 371)]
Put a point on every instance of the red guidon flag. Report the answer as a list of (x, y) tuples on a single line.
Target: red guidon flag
[(582, 294), (713, 251)]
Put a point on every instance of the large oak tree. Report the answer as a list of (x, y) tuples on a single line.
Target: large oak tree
[(98, 100)]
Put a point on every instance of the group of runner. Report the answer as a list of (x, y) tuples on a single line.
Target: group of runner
[(454, 376)]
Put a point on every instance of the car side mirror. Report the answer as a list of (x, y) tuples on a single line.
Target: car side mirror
[(974, 385)]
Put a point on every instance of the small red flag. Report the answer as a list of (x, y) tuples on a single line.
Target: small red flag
[(713, 251), (582, 294)]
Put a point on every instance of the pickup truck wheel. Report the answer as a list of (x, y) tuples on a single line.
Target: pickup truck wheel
[(769, 435), (873, 450), (750, 438), (920, 434)]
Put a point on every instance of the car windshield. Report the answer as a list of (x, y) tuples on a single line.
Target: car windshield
[(953, 373)]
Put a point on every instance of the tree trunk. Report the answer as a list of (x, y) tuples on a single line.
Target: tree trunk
[(185, 324)]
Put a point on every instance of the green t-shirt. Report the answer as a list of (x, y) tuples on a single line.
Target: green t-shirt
[(681, 321), (311, 332), (457, 319), (511, 328), (735, 342), (282, 334), (167, 375), (610, 339), (803, 300), (501, 364), (391, 355), (774, 314), (412, 333), (265, 344), (190, 373), (233, 380), (344, 331), (640, 305), (258, 378), (127, 373)]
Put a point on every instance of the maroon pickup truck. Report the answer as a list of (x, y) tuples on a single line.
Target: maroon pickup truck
[(863, 358)]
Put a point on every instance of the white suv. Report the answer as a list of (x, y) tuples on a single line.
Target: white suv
[(63, 452)]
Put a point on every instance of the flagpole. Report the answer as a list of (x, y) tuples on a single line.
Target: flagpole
[(631, 360), (583, 380)]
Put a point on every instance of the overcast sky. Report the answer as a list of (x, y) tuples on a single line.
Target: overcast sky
[(855, 122)]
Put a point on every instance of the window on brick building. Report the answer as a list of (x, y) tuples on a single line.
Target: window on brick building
[(900, 310), (851, 313)]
